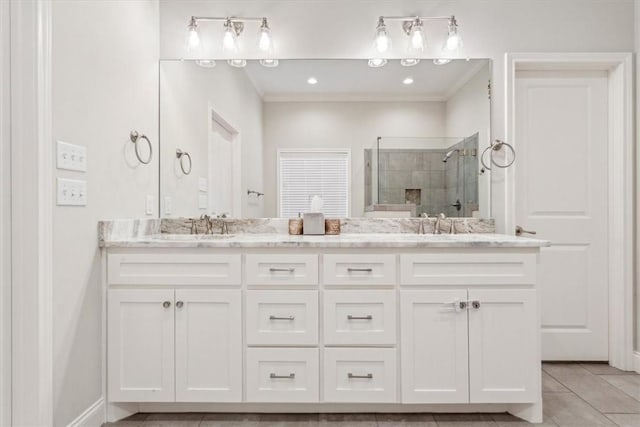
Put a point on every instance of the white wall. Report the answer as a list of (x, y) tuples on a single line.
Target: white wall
[(637, 51), (354, 125), (331, 29), (468, 112), (186, 91), (105, 84), (5, 219)]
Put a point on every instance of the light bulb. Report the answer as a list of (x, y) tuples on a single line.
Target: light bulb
[(454, 41), (237, 63), (377, 62), (264, 37), (382, 42), (193, 38), (416, 37), (441, 61), (206, 63), (407, 81), (312, 80), (229, 39)]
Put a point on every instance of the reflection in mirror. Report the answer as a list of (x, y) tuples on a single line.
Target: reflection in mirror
[(381, 142)]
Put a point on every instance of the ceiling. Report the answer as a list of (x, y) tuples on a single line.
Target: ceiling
[(354, 80)]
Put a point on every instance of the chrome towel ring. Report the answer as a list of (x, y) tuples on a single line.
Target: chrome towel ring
[(497, 146), (181, 155), (135, 138)]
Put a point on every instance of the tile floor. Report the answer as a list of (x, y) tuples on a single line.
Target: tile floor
[(574, 395)]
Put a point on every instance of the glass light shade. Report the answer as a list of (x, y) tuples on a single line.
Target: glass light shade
[(264, 37), (416, 37), (206, 63), (441, 61), (454, 41), (193, 38), (229, 38), (377, 62), (382, 41)]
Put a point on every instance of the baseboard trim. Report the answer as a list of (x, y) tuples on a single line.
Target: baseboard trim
[(636, 361), (93, 416)]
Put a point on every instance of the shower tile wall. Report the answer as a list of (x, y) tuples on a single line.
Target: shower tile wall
[(402, 170)]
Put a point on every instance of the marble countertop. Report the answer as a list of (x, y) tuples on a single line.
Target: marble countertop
[(351, 240)]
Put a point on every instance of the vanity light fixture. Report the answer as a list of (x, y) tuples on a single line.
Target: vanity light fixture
[(269, 63), (413, 27), (232, 28), (441, 61), (377, 62), (312, 80), (408, 81), (237, 63), (206, 63), (409, 62)]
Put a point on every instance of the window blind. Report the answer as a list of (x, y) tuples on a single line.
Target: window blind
[(304, 174)]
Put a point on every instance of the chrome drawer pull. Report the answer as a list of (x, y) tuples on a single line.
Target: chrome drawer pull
[(367, 317), (282, 270), (368, 376), (290, 318), (286, 377), (363, 270)]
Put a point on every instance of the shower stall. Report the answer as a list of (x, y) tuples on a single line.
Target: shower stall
[(414, 176)]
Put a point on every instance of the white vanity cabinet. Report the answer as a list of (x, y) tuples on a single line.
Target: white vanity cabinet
[(451, 329), (182, 345)]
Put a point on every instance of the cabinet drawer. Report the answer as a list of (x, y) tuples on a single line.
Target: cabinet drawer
[(373, 269), (282, 375), (282, 317), (360, 317), (360, 375), (173, 269), (468, 269), (282, 269)]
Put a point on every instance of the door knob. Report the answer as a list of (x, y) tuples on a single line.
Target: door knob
[(520, 231)]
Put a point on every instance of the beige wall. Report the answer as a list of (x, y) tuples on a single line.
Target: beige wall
[(105, 84), (354, 125), (187, 90)]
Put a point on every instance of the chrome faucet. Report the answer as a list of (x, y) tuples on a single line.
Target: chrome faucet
[(439, 218), (208, 222), (421, 227), (194, 226)]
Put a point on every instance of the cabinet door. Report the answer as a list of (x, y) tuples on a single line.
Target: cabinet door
[(434, 347), (140, 342), (503, 346), (208, 346)]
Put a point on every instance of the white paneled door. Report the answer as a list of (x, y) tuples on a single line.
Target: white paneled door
[(561, 128), (208, 345)]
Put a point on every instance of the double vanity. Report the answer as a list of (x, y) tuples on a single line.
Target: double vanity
[(259, 320)]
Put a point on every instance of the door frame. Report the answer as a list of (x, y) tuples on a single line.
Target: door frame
[(236, 146), (620, 186)]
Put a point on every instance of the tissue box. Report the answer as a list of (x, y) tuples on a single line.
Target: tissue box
[(313, 223)]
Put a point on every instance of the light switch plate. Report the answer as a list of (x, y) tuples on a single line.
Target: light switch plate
[(203, 185), (149, 204), (202, 201), (71, 157), (167, 205), (71, 192)]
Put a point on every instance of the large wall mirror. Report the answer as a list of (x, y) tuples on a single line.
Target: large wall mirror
[(391, 141)]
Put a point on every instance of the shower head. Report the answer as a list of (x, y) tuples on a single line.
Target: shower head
[(449, 154)]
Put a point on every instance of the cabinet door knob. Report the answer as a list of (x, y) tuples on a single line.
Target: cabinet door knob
[(475, 304), (166, 304), (179, 304)]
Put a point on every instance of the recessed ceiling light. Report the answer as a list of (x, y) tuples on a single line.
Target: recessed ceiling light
[(408, 81), (312, 80), (238, 63), (269, 63), (409, 62), (206, 63), (377, 62), (441, 61)]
